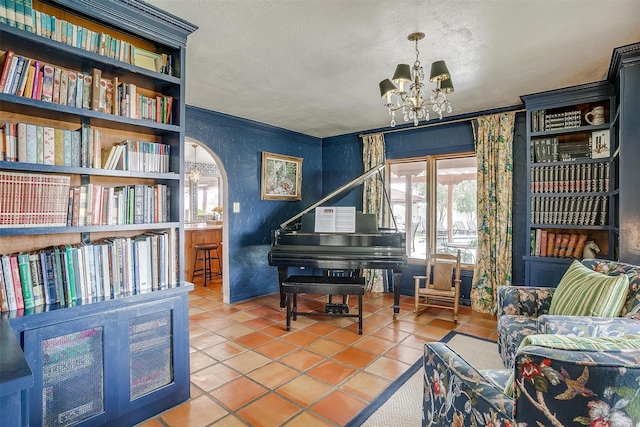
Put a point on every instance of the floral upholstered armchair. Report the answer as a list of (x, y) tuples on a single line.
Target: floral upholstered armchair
[(523, 310), (550, 387)]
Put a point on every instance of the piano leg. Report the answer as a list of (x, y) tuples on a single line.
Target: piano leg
[(397, 284), (282, 276)]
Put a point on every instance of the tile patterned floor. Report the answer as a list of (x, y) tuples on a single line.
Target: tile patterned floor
[(246, 370)]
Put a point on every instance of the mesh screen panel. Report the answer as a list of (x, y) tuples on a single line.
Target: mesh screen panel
[(72, 377), (150, 339)]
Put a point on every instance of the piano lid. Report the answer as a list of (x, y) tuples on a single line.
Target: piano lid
[(341, 190)]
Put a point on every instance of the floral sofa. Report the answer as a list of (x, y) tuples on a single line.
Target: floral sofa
[(523, 310), (551, 387)]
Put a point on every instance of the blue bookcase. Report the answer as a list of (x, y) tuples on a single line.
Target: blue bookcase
[(101, 361), (570, 193)]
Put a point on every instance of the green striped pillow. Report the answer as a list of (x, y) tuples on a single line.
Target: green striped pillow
[(584, 292)]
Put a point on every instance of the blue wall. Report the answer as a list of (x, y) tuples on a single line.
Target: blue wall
[(239, 144), (328, 164)]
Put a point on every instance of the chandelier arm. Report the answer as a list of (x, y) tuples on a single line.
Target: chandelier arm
[(413, 101)]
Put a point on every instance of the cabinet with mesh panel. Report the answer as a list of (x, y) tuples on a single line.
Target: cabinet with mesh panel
[(115, 366), (150, 355)]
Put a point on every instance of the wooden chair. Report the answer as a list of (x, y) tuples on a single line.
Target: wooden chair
[(440, 288)]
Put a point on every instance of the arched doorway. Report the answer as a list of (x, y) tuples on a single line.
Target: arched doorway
[(206, 200)]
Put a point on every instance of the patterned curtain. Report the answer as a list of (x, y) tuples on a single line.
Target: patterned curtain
[(373, 155), (494, 151)]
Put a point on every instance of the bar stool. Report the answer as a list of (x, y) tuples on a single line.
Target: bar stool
[(205, 252)]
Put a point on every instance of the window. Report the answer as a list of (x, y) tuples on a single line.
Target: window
[(433, 199), (202, 198)]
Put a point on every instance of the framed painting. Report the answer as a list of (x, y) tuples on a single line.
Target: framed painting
[(281, 177)]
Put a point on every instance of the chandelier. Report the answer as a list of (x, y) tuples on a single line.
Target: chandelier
[(194, 174), (413, 100)]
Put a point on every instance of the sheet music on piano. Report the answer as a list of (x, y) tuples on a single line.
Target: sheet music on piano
[(335, 219)]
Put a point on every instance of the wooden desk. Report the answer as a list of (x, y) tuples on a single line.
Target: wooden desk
[(195, 234)]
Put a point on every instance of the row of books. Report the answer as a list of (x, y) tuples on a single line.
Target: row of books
[(542, 121), (22, 15), (575, 210), (110, 268), (571, 178), (31, 78), (137, 156), (39, 200), (546, 243), (29, 200), (30, 143), (95, 204), (551, 150)]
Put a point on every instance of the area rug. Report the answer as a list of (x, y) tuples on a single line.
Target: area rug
[(400, 405)]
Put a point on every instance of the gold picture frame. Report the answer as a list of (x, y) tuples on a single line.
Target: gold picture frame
[(281, 177)]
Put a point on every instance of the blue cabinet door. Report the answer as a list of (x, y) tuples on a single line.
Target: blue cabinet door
[(545, 272)]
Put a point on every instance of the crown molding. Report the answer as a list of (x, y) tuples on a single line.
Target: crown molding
[(137, 17)]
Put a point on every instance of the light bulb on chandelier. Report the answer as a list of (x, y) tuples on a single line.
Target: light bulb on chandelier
[(413, 101)]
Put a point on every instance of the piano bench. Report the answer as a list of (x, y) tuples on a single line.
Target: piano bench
[(323, 285)]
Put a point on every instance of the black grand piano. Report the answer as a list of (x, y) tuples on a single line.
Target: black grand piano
[(296, 244)]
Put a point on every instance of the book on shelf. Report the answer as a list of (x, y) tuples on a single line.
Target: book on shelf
[(582, 239), (4, 298), (24, 271), (7, 279), (37, 280), (543, 243), (550, 242), (16, 71), (48, 279), (571, 245), (14, 274), (7, 59)]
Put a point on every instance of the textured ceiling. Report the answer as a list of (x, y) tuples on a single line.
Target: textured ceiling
[(314, 66)]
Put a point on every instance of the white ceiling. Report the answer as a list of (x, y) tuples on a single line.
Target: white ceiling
[(313, 66)]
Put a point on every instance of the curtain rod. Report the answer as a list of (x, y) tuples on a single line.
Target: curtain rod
[(516, 109)]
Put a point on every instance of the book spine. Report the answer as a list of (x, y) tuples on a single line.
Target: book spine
[(4, 298), (58, 276), (47, 277), (3, 20), (582, 239), (95, 89), (17, 284), (550, 242), (8, 58), (25, 279), (57, 82), (48, 77), (571, 246), (12, 301), (543, 243), (71, 280), (10, 7), (37, 279)]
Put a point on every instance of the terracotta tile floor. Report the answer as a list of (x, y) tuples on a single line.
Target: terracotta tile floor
[(246, 370)]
